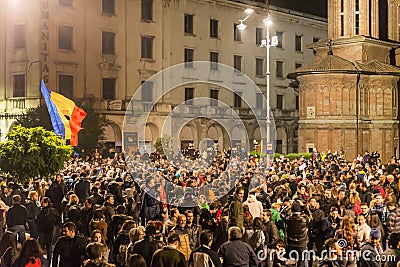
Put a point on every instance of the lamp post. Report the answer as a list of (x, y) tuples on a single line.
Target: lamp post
[(267, 43)]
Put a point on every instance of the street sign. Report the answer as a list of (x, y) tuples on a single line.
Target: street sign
[(269, 148)]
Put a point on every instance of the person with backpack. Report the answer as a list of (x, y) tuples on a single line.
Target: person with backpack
[(203, 255), (31, 255), (121, 243), (114, 227), (148, 245), (46, 220), (32, 206), (94, 252)]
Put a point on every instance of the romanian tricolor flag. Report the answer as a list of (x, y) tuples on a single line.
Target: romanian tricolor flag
[(65, 116)]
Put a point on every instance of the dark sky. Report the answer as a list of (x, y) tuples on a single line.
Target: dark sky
[(314, 7)]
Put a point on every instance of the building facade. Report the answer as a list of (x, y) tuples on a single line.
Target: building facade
[(101, 52), (349, 95)]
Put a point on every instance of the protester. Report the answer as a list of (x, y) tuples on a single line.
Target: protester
[(69, 250), (292, 204)]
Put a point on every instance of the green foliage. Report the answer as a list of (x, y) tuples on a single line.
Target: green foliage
[(259, 154), (35, 117), (163, 145), (93, 131), (293, 156), (31, 152)]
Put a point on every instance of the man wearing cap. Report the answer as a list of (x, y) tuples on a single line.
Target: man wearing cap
[(148, 245), (235, 252), (371, 250), (169, 256)]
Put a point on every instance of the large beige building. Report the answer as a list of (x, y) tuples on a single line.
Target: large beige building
[(102, 51)]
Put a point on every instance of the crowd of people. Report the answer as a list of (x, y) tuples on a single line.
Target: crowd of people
[(217, 208)]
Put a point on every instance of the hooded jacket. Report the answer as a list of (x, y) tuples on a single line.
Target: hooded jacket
[(255, 206)]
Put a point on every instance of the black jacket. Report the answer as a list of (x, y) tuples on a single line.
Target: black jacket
[(237, 253), (47, 218), (32, 209), (315, 225), (297, 229), (56, 193), (114, 226), (16, 215), (82, 189), (147, 247), (71, 251)]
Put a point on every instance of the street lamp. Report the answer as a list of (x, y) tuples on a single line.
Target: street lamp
[(267, 43)]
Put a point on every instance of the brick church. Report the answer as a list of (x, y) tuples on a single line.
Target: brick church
[(349, 97)]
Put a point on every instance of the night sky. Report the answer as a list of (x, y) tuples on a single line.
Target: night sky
[(314, 7)]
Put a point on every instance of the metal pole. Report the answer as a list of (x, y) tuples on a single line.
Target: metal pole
[(267, 74)]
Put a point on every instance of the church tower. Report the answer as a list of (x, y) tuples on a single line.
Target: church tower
[(349, 95)]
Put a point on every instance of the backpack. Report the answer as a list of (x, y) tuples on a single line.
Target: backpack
[(121, 254), (34, 262)]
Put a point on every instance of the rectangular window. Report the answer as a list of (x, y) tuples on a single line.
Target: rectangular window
[(213, 28), (108, 43), (298, 42), (237, 34), (147, 10), (279, 101), (188, 24), (315, 40), (357, 19), (189, 55), (279, 69), (259, 36), (237, 62), (279, 35), (214, 60), (237, 101), (189, 95), (259, 100), (341, 17), (357, 22), (19, 36), (297, 65), (213, 97), (297, 102), (65, 37), (278, 148), (19, 85), (147, 92), (109, 91), (66, 85), (108, 7), (260, 67), (65, 2), (147, 47)]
